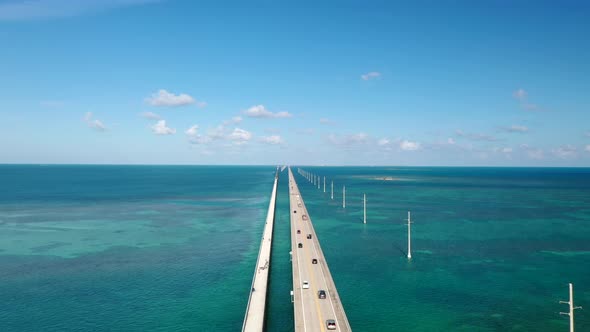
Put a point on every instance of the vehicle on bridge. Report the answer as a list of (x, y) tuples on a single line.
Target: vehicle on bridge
[(314, 261), (298, 231), (304, 217), (305, 284), (331, 324), (321, 294), (309, 236), (300, 245)]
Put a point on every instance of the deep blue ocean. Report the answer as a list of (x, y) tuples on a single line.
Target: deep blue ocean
[(173, 248)]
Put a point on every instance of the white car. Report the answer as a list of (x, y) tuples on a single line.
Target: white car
[(305, 284), (331, 324)]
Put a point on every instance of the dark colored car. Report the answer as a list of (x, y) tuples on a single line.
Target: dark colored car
[(300, 245), (314, 261), (321, 294), (298, 231), (309, 236)]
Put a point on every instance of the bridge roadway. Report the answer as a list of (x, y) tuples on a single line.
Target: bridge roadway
[(254, 318), (311, 312)]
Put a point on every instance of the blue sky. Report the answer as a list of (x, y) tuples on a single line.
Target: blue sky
[(298, 82)]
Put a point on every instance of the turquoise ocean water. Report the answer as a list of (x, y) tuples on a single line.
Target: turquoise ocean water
[(173, 248)]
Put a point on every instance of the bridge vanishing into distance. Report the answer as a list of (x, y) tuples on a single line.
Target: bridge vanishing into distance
[(316, 304), (314, 311), (254, 319)]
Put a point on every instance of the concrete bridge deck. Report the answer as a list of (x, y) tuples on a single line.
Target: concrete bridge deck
[(311, 312), (254, 319)]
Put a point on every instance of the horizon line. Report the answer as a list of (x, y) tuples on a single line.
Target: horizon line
[(273, 165)]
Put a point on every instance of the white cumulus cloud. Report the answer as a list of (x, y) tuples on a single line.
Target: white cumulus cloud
[(165, 98), (94, 123), (358, 138), (240, 136), (370, 75), (565, 151), (383, 142), (97, 124), (409, 145), (234, 120), (273, 139), (216, 133), (194, 136), (192, 131), (259, 111), (160, 128)]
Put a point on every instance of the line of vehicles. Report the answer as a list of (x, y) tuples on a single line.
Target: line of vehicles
[(330, 323)]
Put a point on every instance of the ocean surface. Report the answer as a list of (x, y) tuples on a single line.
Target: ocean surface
[(173, 248)]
